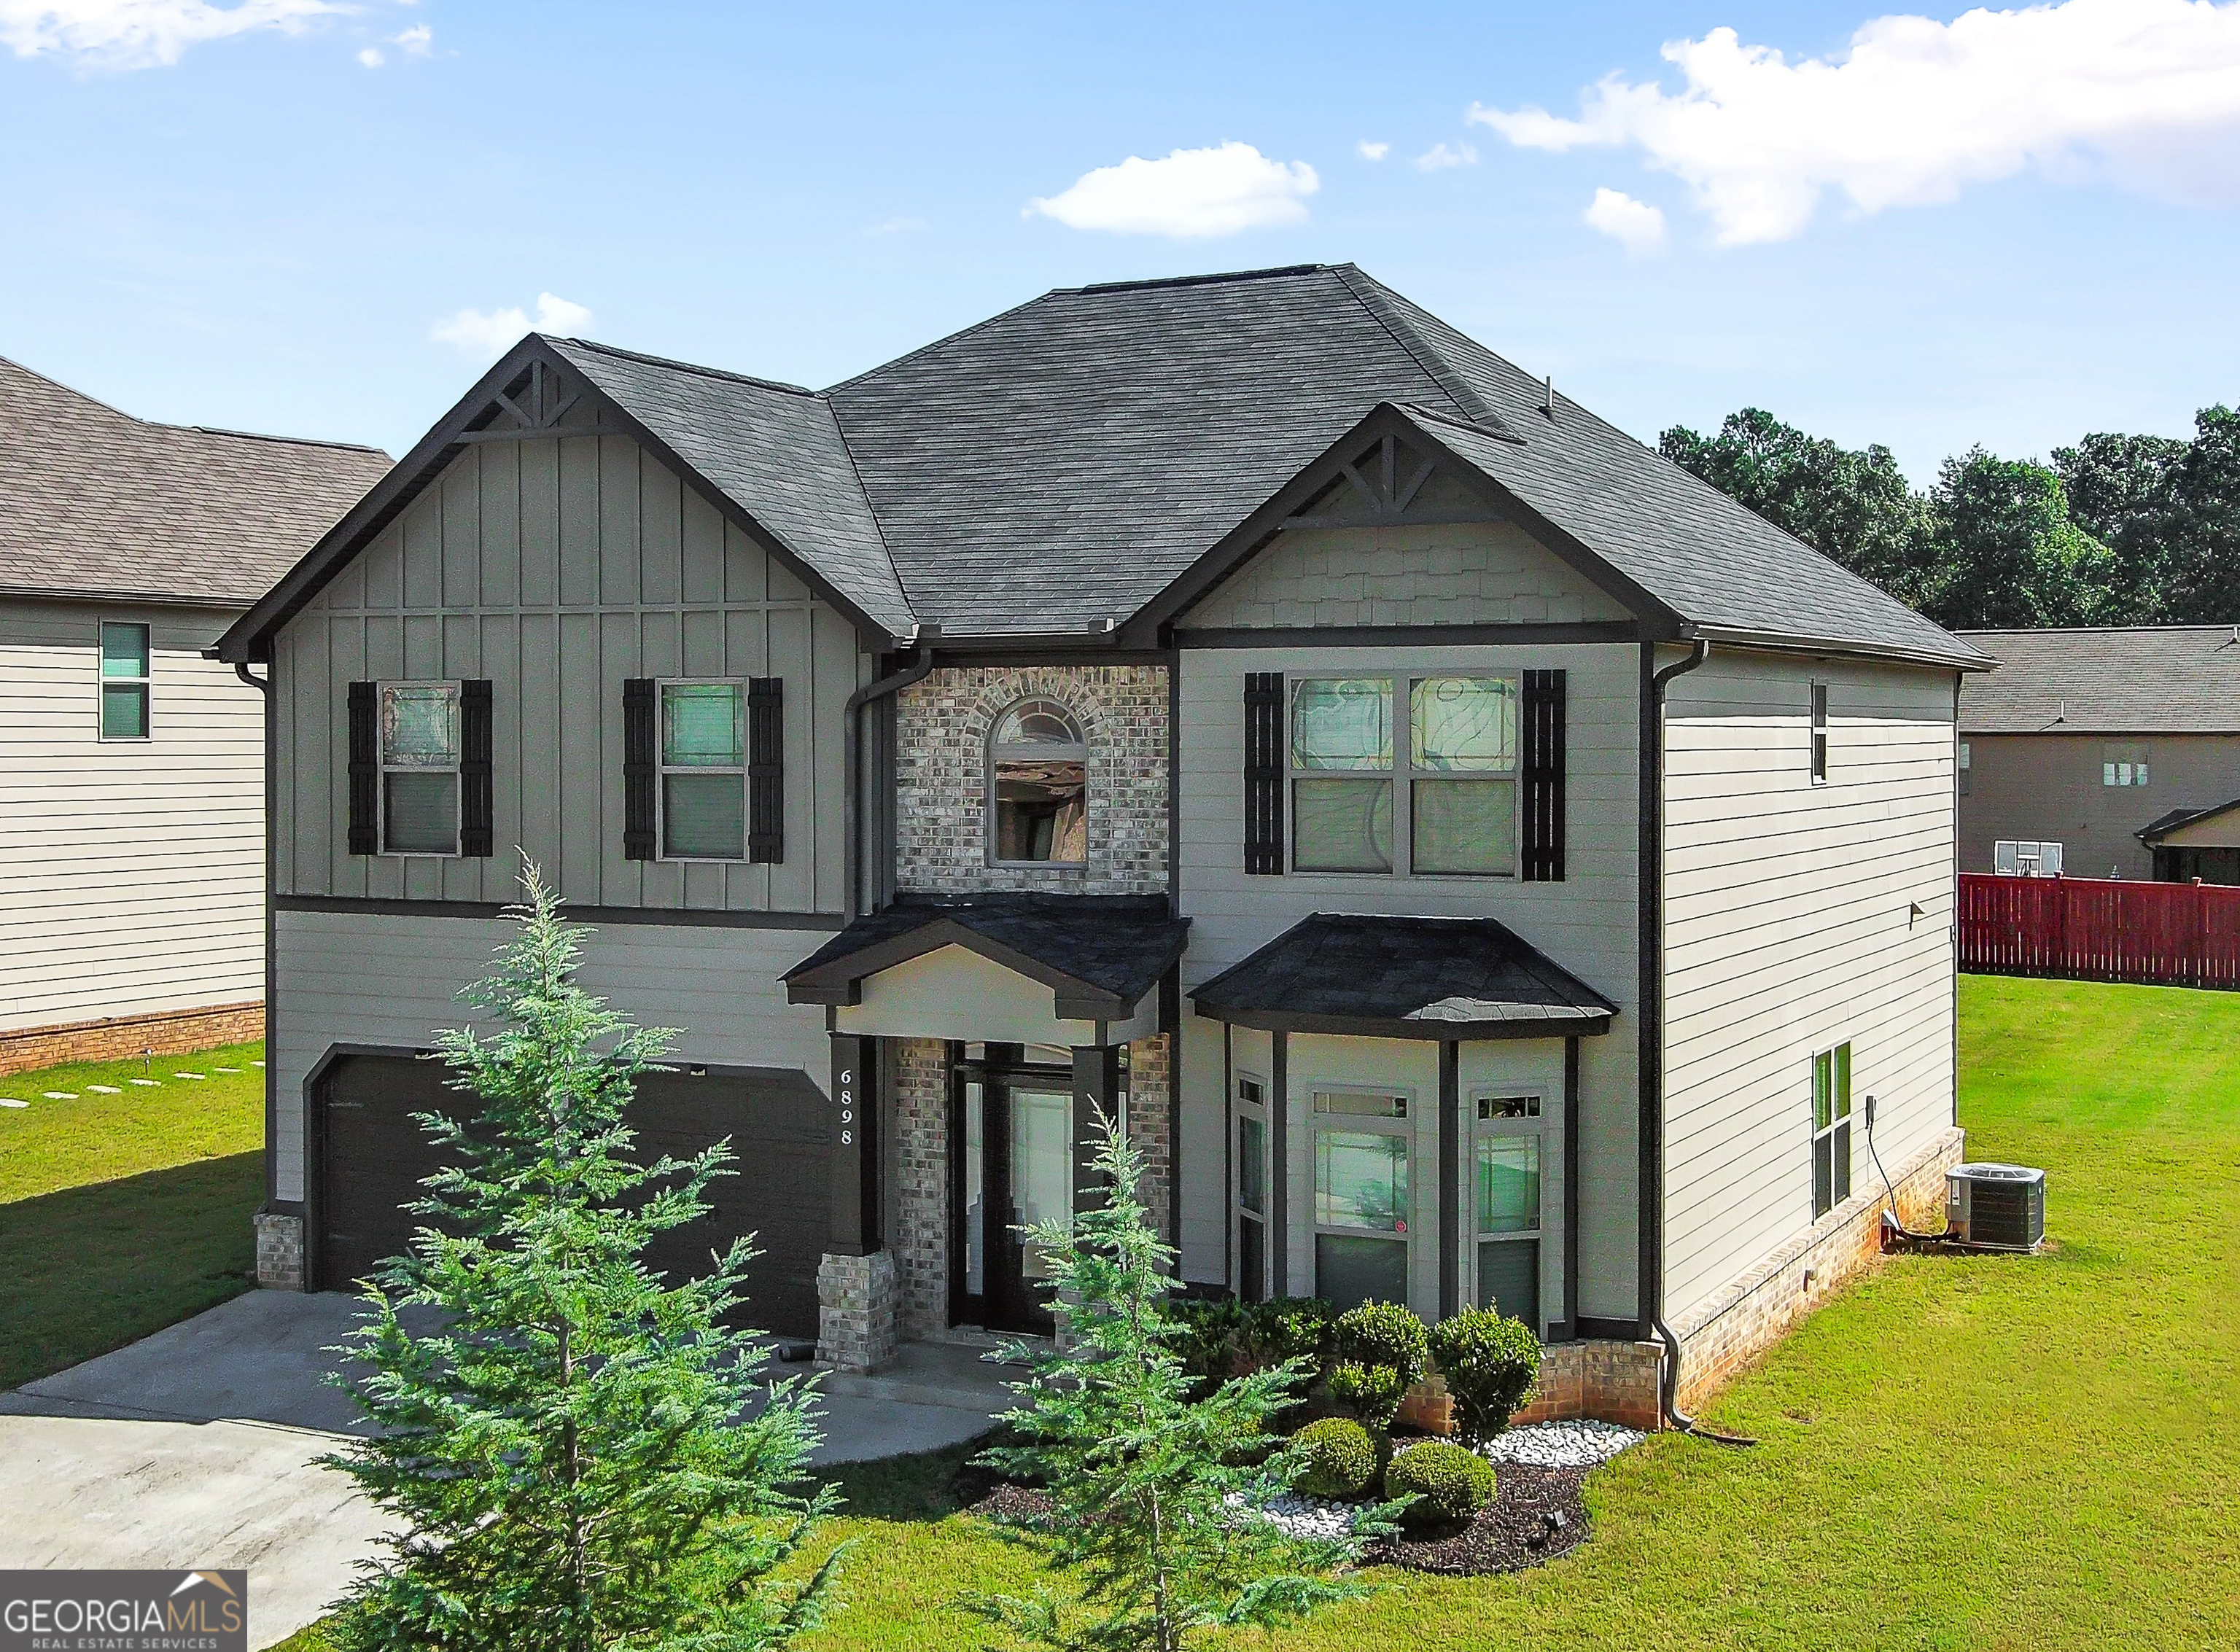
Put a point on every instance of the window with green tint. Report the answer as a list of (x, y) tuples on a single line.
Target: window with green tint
[(703, 725), (1508, 1184), (1832, 1129), (1361, 1181), (1463, 723), (125, 684), (420, 768), (1342, 825), (1466, 826), (1342, 723), (703, 780)]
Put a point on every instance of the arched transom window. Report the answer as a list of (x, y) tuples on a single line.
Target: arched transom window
[(1038, 787)]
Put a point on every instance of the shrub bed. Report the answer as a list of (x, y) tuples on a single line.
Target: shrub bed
[(1448, 1482)]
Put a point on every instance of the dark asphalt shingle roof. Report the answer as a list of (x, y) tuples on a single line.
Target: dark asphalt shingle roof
[(1115, 945), (2162, 825), (96, 503), (2143, 679), (773, 449), (1432, 977)]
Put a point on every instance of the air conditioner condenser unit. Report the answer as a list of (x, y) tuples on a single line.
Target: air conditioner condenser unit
[(1995, 1207)]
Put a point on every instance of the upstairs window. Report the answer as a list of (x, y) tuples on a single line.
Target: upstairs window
[(420, 768), (1831, 1129), (1452, 780), (704, 771), (1038, 787), (1819, 733), (124, 673), (2122, 765)]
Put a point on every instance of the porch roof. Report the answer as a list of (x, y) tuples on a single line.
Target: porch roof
[(1099, 953), (1405, 978)]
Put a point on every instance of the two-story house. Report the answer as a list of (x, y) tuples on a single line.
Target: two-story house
[(1483, 864)]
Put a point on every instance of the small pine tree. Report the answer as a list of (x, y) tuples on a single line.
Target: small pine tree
[(1154, 1493), (563, 1437)]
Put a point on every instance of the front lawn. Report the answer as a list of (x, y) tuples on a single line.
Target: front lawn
[(125, 1197)]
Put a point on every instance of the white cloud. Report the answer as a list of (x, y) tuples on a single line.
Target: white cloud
[(141, 34), (1635, 225), (2146, 92), (488, 334), (1373, 152), (417, 40), (1438, 158), (371, 57), (1191, 193)]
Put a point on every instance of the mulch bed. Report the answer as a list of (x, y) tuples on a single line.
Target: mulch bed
[(1536, 1513)]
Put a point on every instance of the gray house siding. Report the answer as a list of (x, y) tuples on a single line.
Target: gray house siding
[(1589, 922), (558, 568), (1791, 927), (131, 871), (2040, 786)]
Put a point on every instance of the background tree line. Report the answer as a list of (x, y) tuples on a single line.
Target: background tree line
[(2117, 530)]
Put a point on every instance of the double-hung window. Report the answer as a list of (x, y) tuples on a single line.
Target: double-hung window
[(125, 681), (1361, 1197), (2124, 765), (1505, 1205), (1438, 798), (704, 771), (1831, 1129), (1250, 1204), (420, 768)]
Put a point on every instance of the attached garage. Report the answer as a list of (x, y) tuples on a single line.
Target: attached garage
[(372, 1155)]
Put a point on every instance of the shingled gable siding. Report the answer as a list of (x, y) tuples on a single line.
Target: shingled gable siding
[(558, 569), (942, 728), (132, 872), (1588, 922), (1789, 930)]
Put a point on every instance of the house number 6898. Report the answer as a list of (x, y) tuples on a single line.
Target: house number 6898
[(847, 1105)]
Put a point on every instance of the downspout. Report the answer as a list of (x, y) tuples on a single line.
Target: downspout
[(263, 686), (1649, 1220), (922, 638)]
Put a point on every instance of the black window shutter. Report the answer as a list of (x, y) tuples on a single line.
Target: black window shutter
[(766, 769), (478, 802), (1263, 771), (364, 771), (638, 767), (1543, 776)]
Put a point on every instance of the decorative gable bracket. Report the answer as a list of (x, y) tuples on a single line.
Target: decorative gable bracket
[(1381, 482), (535, 405)]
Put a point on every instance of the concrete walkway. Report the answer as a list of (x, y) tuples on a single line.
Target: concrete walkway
[(194, 1447)]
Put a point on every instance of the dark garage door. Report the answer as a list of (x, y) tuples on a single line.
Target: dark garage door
[(372, 1156)]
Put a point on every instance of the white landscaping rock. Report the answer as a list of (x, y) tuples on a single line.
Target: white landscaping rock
[(1303, 1516), (1562, 1445)]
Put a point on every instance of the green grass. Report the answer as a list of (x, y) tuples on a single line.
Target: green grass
[(120, 1215), (1956, 1452)]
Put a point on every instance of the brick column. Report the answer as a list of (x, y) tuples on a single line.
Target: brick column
[(856, 1281), (279, 1250), (855, 1311)]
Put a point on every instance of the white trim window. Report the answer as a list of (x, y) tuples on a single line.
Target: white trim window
[(2124, 765), (2022, 857), (1441, 802), (1248, 1199), (1364, 1145), (127, 668), (1511, 1177), (703, 771), (1831, 1129), (1038, 787), (1819, 734), (420, 768)]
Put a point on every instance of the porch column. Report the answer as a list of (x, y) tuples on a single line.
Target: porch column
[(1571, 1186), (1279, 1167), (1096, 1089), (1450, 1178), (856, 1281)]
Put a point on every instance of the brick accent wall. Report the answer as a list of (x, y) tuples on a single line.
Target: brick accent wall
[(918, 1081), (942, 728), (279, 1250), (1147, 1079), (1613, 1382), (171, 1032), (855, 1311)]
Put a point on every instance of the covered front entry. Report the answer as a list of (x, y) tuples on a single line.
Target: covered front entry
[(1013, 1168)]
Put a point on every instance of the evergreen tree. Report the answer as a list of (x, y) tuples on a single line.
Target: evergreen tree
[(1154, 1493), (565, 1436)]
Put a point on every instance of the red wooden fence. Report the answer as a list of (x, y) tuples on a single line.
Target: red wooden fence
[(2179, 935)]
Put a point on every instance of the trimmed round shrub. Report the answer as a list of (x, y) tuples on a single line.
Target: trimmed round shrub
[(1339, 1458), (1372, 1393), (1381, 1333), (1491, 1365), (1448, 1482)]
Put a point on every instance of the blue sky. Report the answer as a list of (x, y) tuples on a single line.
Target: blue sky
[(266, 232)]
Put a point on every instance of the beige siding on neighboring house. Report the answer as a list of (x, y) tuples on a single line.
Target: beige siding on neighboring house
[(1789, 928), (557, 568), (392, 981), (132, 872)]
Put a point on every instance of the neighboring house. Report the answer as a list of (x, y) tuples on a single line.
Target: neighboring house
[(2104, 752), (1234, 701), (131, 768)]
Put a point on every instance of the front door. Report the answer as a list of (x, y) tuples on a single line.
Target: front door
[(1013, 1171)]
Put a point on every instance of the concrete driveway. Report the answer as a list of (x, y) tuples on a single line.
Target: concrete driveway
[(194, 1447)]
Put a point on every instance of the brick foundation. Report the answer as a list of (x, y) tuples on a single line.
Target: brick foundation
[(855, 1311), (1611, 1381), (279, 1250), (170, 1032)]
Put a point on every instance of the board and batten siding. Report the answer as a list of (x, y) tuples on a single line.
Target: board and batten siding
[(1589, 922), (392, 981), (557, 568), (131, 871), (1791, 928)]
